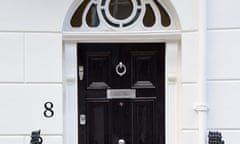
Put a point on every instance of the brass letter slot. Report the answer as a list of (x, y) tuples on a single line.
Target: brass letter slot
[(121, 93)]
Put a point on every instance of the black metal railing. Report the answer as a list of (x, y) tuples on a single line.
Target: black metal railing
[(215, 138)]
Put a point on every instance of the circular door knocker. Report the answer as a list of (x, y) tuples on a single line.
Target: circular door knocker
[(121, 69)]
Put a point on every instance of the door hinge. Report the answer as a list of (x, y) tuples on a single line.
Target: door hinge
[(81, 72), (82, 119)]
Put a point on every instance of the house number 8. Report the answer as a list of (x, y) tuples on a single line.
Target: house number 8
[(48, 113)]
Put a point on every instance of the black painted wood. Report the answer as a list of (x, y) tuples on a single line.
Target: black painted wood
[(136, 121)]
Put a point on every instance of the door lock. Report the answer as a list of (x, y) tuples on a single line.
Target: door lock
[(82, 119)]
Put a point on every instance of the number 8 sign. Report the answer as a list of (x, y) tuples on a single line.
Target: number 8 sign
[(48, 113)]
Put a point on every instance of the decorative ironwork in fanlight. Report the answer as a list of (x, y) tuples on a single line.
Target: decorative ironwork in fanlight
[(121, 14)]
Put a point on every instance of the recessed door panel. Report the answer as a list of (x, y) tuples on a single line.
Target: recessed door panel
[(121, 93), (121, 121), (144, 126), (97, 115), (143, 69), (98, 70)]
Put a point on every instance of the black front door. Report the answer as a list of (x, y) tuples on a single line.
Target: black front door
[(121, 91)]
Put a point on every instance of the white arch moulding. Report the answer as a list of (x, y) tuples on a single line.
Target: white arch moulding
[(134, 23)]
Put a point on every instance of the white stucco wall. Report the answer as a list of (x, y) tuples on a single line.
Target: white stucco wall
[(31, 75), (31, 69), (223, 69), (188, 12), (29, 15), (31, 42), (223, 73)]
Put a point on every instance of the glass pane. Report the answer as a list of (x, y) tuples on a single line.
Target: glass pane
[(103, 2), (149, 17), (92, 16), (139, 2), (120, 9), (165, 18), (76, 20)]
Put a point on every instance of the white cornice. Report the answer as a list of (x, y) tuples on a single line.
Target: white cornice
[(122, 36)]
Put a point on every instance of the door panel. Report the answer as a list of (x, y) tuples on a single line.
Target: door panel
[(121, 121), (98, 70), (144, 122), (143, 69), (139, 120), (98, 123)]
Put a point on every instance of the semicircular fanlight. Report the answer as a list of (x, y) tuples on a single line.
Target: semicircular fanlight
[(121, 14)]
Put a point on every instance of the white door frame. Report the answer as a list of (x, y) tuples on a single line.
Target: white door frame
[(173, 76)]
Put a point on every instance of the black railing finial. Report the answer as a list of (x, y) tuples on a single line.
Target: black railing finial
[(36, 138)]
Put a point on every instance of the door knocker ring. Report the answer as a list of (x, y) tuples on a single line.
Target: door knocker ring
[(121, 67)]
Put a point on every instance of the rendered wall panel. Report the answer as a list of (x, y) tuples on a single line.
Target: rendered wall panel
[(33, 15), (223, 54), (223, 100), (187, 11), (190, 56), (11, 57), (12, 139), (22, 109), (189, 137), (223, 13), (43, 57), (187, 114), (231, 136)]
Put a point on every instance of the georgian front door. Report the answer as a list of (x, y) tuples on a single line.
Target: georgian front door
[(121, 90)]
